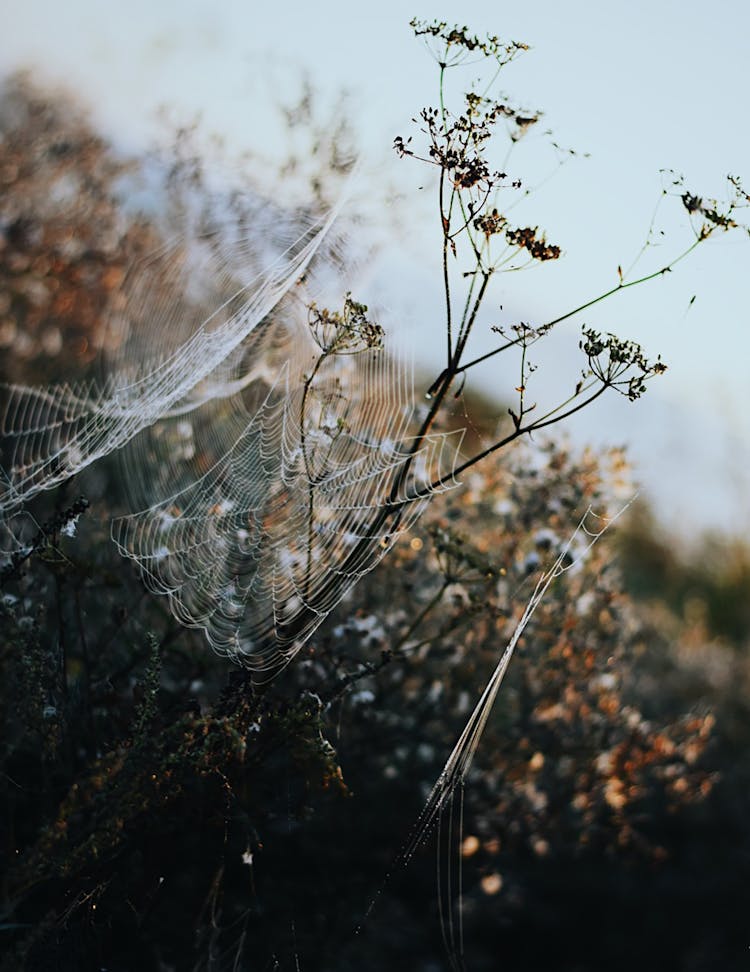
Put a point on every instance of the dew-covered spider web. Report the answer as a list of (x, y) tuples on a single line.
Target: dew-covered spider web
[(267, 451), (443, 810), (183, 319)]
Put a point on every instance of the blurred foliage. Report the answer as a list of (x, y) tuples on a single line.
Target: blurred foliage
[(65, 243), (162, 812), (708, 586)]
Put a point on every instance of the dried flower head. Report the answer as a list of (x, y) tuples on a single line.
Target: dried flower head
[(451, 44), (619, 364), (348, 331)]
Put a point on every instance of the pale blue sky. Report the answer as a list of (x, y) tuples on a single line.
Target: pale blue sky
[(641, 86)]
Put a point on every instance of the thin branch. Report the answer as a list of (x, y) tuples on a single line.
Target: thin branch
[(585, 306)]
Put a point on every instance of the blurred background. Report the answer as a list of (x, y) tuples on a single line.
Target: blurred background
[(639, 89), (606, 822)]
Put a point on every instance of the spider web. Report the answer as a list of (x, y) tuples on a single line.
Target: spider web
[(168, 355), (261, 548), (269, 474)]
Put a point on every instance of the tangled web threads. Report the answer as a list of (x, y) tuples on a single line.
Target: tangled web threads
[(272, 463)]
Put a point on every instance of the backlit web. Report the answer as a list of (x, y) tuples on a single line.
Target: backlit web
[(270, 458)]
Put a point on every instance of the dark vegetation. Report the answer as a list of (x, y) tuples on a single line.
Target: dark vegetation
[(161, 812)]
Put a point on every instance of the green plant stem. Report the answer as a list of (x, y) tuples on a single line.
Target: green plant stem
[(446, 275), (585, 306), (511, 437)]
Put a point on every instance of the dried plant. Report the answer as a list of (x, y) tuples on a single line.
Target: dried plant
[(314, 458), (272, 452)]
